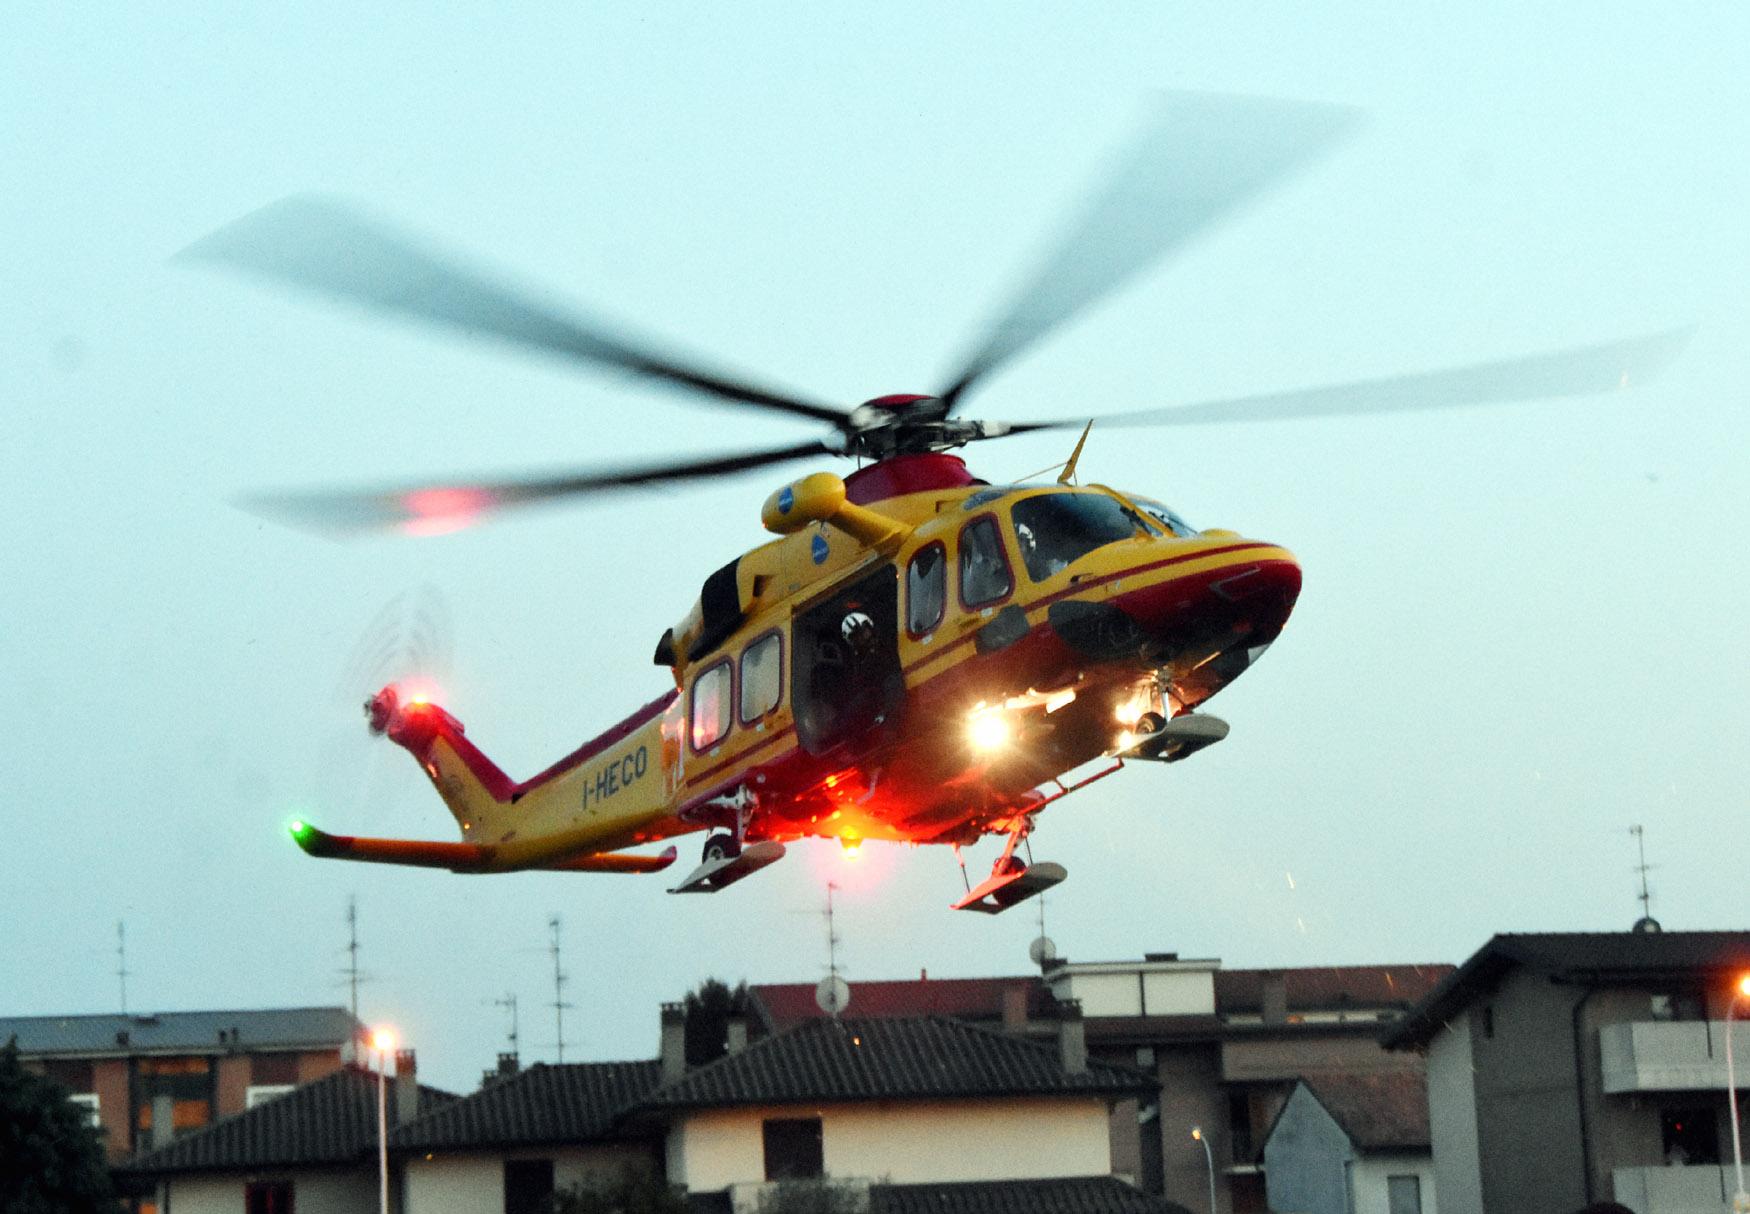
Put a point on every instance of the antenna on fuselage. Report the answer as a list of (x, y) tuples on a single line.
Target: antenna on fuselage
[(1069, 469)]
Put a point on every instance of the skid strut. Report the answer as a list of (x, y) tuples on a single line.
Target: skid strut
[(1011, 880)]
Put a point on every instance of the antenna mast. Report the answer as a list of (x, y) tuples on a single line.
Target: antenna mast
[(509, 1001), (121, 960), (1646, 923), (832, 995), (559, 981), (352, 950)]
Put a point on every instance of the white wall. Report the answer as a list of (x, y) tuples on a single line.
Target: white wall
[(1452, 1118), (474, 1184), (312, 1193), (1368, 1174), (906, 1143)]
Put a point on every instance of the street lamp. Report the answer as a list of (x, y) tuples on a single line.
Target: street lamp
[(1208, 1158), (383, 1041), (1740, 990)]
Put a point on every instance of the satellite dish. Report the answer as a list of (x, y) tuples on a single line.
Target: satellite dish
[(833, 995), (1042, 950)]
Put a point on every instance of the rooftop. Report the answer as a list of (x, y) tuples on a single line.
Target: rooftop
[(1381, 1112), (784, 1005), (333, 1120), (292, 1028), (1073, 1195), (570, 1102), (1591, 958), (887, 1059)]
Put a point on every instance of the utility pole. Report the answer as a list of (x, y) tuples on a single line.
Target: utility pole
[(559, 981)]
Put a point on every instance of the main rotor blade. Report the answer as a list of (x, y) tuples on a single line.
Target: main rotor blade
[(323, 247), (450, 506), (1198, 160), (1577, 371)]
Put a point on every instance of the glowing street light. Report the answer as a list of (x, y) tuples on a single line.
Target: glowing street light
[(1740, 990), (1197, 1135), (383, 1041)]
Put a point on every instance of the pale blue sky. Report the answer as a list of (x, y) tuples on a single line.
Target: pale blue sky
[(1521, 629)]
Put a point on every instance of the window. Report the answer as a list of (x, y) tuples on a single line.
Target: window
[(1689, 1135), (256, 1093), (273, 1068), (267, 1197), (793, 1148), (762, 677), (88, 1102), (926, 590), (711, 706), (1166, 517), (528, 1185), (1403, 1194), (984, 570), (185, 1084), (1058, 529)]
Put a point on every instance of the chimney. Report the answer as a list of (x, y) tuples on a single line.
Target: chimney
[(406, 1087), (1015, 1008), (163, 1121), (673, 1050), (1072, 1037), (508, 1065), (737, 1034), (1273, 996)]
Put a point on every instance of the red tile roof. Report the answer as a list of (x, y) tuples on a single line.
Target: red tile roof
[(784, 1005), (1385, 1111)]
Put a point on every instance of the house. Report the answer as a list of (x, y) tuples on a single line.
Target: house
[(1566, 1069), (1352, 1144), (147, 1078), (1226, 1047), (904, 1111), (311, 1149), (526, 1134), (905, 1114)]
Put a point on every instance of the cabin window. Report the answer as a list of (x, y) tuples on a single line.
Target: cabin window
[(793, 1148), (984, 570), (1056, 530), (926, 590), (762, 677), (710, 714)]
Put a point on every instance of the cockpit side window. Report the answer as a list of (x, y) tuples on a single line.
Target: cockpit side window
[(984, 570), (926, 589), (711, 705), (1057, 529), (1168, 518)]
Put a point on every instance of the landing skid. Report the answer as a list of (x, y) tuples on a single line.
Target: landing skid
[(998, 892), (713, 875), (1179, 738)]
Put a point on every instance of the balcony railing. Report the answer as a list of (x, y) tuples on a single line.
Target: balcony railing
[(1687, 1190), (1671, 1056)]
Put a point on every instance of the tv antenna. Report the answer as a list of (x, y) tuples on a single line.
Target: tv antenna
[(1646, 923), (121, 960), (833, 994), (352, 951), (1042, 951), (509, 1003), (560, 978)]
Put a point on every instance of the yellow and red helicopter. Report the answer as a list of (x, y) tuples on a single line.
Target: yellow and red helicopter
[(918, 656)]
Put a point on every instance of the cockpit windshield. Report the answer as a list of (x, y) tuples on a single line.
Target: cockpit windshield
[(1166, 517), (1057, 529)]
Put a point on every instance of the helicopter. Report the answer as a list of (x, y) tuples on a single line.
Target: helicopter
[(917, 655)]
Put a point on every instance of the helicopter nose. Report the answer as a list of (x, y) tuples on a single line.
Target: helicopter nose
[(1235, 596)]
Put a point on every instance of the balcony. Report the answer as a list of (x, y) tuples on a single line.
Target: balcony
[(1691, 1190), (1671, 1055)]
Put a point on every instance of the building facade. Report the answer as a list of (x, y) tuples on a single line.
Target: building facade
[(1566, 1069), (147, 1078)]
